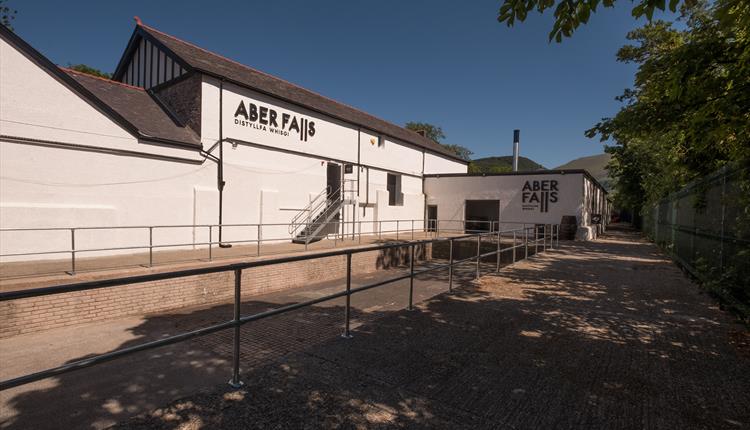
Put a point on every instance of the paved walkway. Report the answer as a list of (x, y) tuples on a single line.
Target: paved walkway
[(606, 334)]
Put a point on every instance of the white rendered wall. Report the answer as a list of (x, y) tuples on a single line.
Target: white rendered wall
[(434, 164), (451, 193)]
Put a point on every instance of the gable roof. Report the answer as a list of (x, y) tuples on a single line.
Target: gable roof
[(97, 95), (215, 65), (138, 107)]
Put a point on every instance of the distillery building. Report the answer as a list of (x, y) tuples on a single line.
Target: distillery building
[(181, 136)]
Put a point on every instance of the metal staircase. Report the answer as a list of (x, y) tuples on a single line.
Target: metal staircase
[(318, 219)]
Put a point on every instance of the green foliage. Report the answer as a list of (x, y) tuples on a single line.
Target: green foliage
[(570, 14), (502, 165), (90, 70), (688, 113), (462, 152), (436, 134), (7, 15), (431, 132)]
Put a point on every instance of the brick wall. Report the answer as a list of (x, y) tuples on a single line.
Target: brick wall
[(41, 313)]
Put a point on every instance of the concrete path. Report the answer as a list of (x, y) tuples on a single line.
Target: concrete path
[(606, 334), (599, 335)]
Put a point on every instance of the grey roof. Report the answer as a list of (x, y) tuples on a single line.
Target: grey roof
[(137, 107), (213, 64)]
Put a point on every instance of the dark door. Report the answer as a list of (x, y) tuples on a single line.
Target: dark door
[(432, 217), (482, 215), (333, 177)]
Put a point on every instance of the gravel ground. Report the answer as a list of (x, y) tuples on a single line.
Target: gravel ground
[(606, 334)]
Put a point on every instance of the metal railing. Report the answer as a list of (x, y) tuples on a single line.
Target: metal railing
[(547, 234), (350, 232)]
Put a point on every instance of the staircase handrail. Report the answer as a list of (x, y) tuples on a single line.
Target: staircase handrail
[(303, 215)]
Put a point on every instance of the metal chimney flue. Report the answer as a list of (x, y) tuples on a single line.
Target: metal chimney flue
[(516, 138)]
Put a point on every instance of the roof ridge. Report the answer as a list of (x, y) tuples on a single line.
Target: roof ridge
[(280, 79), (110, 81)]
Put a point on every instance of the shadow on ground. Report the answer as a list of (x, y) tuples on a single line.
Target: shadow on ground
[(599, 335)]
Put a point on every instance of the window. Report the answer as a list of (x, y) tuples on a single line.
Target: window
[(381, 142), (395, 197)]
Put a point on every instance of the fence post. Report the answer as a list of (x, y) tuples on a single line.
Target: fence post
[(347, 311), (412, 229), (210, 242), (479, 252), (72, 251), (723, 209), (380, 230), (150, 246), (544, 238), (498, 254), (450, 266), (536, 239), (260, 237), (235, 381), (411, 279), (396, 229), (526, 242), (557, 236), (514, 246)]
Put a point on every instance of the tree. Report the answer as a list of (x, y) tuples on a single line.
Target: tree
[(7, 15), (83, 68), (688, 113), (431, 132), (436, 134), (570, 14)]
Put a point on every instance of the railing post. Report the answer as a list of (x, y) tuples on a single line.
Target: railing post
[(396, 229), (526, 242), (235, 381), (380, 230), (150, 246), (544, 238), (347, 311), (412, 229), (411, 279), (536, 239), (260, 237), (72, 251), (557, 236), (437, 228), (479, 252), (450, 266), (210, 242), (360, 232), (498, 254), (514, 246)]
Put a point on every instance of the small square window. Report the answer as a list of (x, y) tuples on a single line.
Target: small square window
[(381, 142)]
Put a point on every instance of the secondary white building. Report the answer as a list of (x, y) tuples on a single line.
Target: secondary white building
[(182, 136), (510, 199)]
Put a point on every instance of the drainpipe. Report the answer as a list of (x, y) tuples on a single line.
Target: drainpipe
[(220, 178)]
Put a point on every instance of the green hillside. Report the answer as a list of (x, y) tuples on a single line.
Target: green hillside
[(502, 164), (595, 164)]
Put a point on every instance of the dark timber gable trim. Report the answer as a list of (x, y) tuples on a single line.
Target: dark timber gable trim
[(147, 63)]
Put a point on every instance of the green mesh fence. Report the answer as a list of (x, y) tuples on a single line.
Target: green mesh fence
[(705, 227)]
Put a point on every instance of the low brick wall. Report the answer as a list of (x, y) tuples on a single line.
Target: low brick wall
[(41, 313)]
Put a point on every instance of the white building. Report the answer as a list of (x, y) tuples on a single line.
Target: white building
[(510, 199), (182, 136)]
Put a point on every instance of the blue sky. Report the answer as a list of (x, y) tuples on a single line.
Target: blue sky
[(449, 63)]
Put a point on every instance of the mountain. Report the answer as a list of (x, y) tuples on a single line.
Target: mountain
[(595, 164), (502, 164)]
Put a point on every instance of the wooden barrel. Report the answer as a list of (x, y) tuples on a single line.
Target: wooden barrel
[(568, 227)]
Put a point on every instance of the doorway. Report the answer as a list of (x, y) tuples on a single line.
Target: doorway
[(481, 215), (432, 216), (333, 179)]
